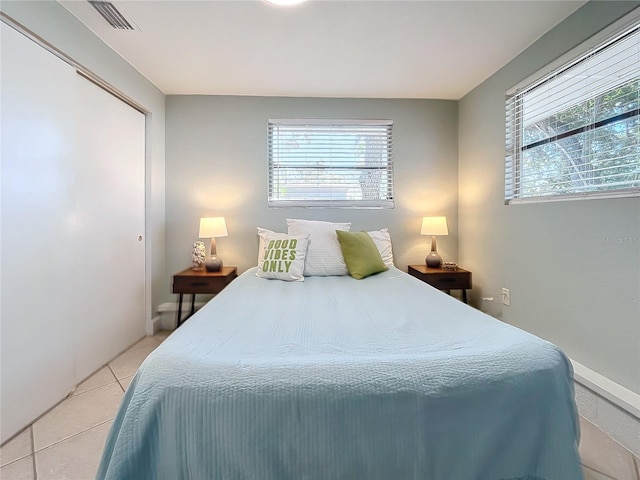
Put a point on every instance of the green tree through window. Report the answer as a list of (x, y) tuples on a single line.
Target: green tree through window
[(577, 131)]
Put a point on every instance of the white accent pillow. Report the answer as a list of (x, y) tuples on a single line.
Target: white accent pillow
[(324, 257), (283, 256), (382, 239)]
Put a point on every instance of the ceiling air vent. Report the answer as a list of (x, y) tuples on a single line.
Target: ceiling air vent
[(112, 15)]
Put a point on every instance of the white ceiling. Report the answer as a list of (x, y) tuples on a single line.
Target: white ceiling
[(324, 48)]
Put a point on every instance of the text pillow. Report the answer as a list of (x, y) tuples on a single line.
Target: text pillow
[(360, 254), (283, 257), (324, 257), (262, 236)]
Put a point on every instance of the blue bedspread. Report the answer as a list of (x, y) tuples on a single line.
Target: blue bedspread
[(334, 378)]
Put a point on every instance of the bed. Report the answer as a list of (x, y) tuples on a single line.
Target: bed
[(336, 378)]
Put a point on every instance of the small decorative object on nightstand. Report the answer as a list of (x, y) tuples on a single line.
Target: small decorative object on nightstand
[(446, 280), (200, 281), (198, 255)]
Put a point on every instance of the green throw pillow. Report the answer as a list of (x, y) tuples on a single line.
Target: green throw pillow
[(360, 254)]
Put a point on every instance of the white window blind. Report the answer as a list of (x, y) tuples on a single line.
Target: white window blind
[(330, 163), (575, 133)]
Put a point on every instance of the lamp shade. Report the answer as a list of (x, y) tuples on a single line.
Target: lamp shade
[(212, 227), (434, 226)]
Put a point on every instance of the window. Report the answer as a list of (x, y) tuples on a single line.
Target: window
[(330, 163), (575, 132)]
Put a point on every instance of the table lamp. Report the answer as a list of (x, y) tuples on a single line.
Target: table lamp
[(434, 226), (212, 227)]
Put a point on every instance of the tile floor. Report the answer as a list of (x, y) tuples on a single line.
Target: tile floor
[(66, 443)]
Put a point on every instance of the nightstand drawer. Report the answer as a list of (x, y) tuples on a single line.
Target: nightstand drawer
[(198, 285), (446, 281), (191, 281)]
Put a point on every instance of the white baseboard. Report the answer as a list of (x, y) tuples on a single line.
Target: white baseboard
[(611, 407), (168, 311), (615, 393), (155, 325)]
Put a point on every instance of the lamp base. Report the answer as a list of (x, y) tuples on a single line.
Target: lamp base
[(213, 263), (433, 260)]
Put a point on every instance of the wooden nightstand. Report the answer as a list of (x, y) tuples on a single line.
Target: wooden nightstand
[(200, 281), (446, 280)]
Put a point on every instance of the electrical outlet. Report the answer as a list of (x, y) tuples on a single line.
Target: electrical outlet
[(506, 297)]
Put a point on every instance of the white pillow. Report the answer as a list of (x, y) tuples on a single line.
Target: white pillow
[(382, 239), (324, 257), (283, 256)]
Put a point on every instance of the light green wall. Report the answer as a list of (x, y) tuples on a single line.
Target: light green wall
[(573, 268), (217, 166), (52, 22)]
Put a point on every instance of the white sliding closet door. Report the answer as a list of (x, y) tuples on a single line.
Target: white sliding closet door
[(109, 213), (36, 315), (72, 273)]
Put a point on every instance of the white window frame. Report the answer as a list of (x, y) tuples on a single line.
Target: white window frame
[(336, 147), (519, 111)]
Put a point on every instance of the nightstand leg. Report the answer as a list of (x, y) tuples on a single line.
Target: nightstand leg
[(179, 313), (193, 304), (464, 295)]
